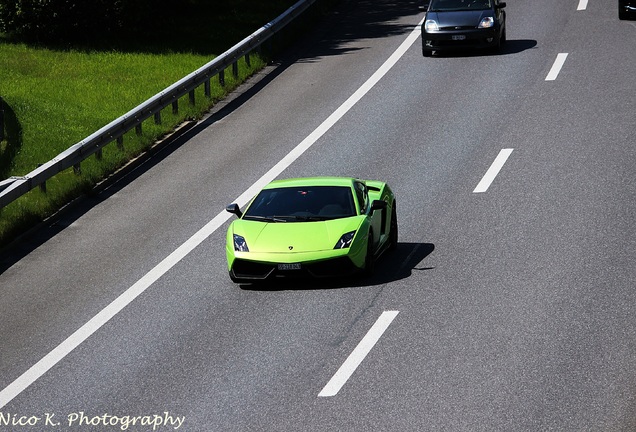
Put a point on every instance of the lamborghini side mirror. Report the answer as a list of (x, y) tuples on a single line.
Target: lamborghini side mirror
[(378, 205), (234, 209)]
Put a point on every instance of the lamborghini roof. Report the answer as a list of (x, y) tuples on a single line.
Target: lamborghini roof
[(311, 181)]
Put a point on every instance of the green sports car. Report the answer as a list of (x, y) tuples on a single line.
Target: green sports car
[(318, 226)]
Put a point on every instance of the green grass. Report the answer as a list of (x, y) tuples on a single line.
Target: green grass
[(55, 97)]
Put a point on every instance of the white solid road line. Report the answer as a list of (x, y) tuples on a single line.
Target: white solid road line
[(84, 332), (492, 172), (358, 354), (582, 5), (556, 67)]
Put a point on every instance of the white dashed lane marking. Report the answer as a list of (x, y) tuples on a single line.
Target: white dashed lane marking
[(492, 172), (556, 67), (358, 354)]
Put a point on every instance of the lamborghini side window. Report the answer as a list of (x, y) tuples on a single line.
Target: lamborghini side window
[(361, 195)]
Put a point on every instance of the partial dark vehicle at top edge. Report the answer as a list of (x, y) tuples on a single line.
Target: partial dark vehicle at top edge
[(626, 9), (463, 24)]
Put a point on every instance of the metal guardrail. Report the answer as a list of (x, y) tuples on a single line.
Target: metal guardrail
[(14, 187)]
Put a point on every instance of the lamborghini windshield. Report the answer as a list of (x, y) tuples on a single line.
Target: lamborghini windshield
[(457, 5), (300, 204)]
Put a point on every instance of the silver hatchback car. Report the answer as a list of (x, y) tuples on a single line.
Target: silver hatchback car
[(463, 24)]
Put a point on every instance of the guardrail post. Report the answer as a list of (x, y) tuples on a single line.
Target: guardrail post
[(222, 78), (158, 118), (191, 96), (269, 47), (77, 168), (1, 119), (175, 107), (98, 154), (235, 69), (247, 60), (138, 130), (120, 142), (207, 87), (43, 184)]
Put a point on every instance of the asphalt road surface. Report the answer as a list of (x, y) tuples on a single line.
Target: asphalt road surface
[(509, 305)]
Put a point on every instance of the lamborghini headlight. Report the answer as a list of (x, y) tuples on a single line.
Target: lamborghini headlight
[(345, 240), (487, 22), (239, 244)]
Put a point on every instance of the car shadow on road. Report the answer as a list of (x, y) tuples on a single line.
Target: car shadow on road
[(515, 46), (390, 267), (512, 46)]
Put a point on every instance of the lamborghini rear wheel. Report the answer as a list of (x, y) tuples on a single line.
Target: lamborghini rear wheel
[(368, 259), (393, 234)]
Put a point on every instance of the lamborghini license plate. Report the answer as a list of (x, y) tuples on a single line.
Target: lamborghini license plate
[(295, 266)]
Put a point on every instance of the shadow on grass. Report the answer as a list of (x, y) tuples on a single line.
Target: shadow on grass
[(206, 27), (391, 267), (13, 139)]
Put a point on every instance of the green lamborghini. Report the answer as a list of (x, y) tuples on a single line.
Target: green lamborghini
[(318, 227)]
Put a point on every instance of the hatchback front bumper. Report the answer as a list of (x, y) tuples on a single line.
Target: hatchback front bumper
[(445, 40)]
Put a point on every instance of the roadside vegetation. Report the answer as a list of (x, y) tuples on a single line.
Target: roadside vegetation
[(60, 85)]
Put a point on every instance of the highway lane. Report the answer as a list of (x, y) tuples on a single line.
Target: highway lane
[(534, 329), (502, 326)]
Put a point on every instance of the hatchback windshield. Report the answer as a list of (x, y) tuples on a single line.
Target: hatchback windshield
[(456, 5), (294, 204)]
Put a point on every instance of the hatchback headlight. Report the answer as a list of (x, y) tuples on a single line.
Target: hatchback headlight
[(239, 244), (345, 240), (487, 22), (431, 25)]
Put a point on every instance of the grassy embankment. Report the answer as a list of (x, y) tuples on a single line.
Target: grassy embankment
[(54, 98)]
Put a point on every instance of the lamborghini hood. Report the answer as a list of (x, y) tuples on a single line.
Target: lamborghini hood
[(292, 237)]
